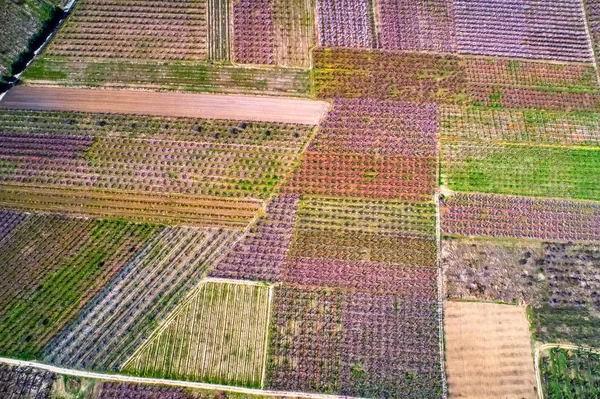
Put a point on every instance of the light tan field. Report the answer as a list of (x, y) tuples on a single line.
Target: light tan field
[(488, 351), (214, 106)]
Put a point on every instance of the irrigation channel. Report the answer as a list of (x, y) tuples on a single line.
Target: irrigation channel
[(42, 38)]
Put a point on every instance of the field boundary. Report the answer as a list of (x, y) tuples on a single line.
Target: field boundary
[(536, 360), (160, 381)]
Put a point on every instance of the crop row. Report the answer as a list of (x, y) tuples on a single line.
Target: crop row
[(286, 137), (481, 166), (146, 165), (144, 291), (140, 30), (273, 32), (417, 25), (345, 23), (373, 126), (8, 221), (415, 220), (538, 99), (25, 382), (569, 374), (218, 30), (517, 73), (133, 206), (520, 217), (362, 276), (542, 29), (349, 245), (592, 8), (305, 339), (364, 176), (572, 275), (46, 282), (414, 77), (520, 126), (261, 253), (19, 25), (174, 76), (217, 335), (354, 343)]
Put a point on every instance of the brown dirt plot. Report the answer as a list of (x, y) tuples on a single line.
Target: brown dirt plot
[(214, 106), (488, 351)]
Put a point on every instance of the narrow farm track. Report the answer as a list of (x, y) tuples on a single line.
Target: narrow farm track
[(210, 106), (173, 383)]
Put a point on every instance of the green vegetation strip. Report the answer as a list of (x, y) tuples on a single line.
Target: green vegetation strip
[(521, 170)]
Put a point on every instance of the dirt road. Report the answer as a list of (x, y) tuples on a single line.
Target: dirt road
[(175, 383), (215, 106)]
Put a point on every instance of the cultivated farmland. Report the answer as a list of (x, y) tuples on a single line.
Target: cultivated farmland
[(539, 29), (167, 170), (273, 32), (520, 217), (259, 256), (20, 27), (419, 25), (488, 352), (569, 374), (25, 382), (521, 170), (346, 23), (414, 77), (48, 281), (217, 335), (144, 292), (520, 126), (277, 198)]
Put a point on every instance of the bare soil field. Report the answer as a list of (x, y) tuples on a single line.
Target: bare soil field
[(488, 351), (493, 270), (213, 106)]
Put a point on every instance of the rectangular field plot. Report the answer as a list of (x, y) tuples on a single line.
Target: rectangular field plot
[(52, 266), (305, 338), (141, 295), (346, 23), (364, 231), (482, 166), (545, 76), (488, 351), (412, 77), (537, 99), (520, 217), (188, 76), (384, 127), (133, 29), (390, 345), (273, 32), (240, 108), (364, 176), (538, 29), (520, 126), (506, 270), (417, 25), (217, 335), (569, 373)]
